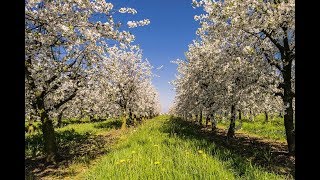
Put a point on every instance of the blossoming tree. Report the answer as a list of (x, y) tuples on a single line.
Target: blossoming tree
[(62, 46)]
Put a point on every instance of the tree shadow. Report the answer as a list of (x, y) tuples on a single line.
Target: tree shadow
[(73, 147), (243, 150), (109, 125)]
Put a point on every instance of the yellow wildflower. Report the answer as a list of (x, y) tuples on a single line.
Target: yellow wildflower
[(200, 151), (133, 152), (122, 160), (157, 162)]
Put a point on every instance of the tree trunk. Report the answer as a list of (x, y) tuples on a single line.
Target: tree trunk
[(135, 120), (240, 114), (124, 122), (196, 120), (60, 117), (50, 145), (232, 126), (200, 118), (213, 122), (130, 119), (288, 116), (207, 119), (60, 120), (266, 116)]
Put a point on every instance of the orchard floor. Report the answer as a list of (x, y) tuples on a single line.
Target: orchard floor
[(164, 147)]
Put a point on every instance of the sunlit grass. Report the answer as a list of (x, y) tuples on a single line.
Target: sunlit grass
[(273, 129), (155, 151), (68, 133)]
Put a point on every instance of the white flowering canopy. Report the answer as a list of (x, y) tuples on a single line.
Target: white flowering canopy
[(79, 60), (236, 60)]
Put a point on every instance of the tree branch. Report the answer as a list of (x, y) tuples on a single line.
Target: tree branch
[(272, 63), (74, 93), (281, 49)]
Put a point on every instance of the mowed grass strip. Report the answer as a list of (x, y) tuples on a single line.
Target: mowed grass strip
[(155, 151)]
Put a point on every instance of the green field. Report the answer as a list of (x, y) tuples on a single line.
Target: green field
[(157, 151), (161, 148)]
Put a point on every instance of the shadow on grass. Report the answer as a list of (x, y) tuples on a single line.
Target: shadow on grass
[(242, 150), (109, 125), (73, 147)]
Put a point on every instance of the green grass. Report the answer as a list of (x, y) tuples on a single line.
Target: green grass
[(164, 149), (92, 128), (65, 121), (273, 130), (69, 134)]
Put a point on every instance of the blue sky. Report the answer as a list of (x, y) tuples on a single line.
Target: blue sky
[(165, 39)]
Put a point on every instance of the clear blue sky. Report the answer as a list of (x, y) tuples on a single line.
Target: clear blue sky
[(165, 39)]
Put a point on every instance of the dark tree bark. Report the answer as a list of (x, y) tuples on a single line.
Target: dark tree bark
[(207, 119), (130, 119), (287, 56), (250, 114), (50, 145), (200, 117), (60, 117), (266, 116), (213, 122), (232, 126), (239, 114), (288, 116)]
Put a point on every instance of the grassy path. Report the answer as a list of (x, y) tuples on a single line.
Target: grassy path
[(168, 148), (160, 148)]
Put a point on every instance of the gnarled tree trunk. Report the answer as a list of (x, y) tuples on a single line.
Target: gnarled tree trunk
[(288, 116), (232, 126), (50, 145), (60, 117)]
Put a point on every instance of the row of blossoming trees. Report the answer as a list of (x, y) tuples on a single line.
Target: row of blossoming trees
[(243, 61), (79, 62)]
